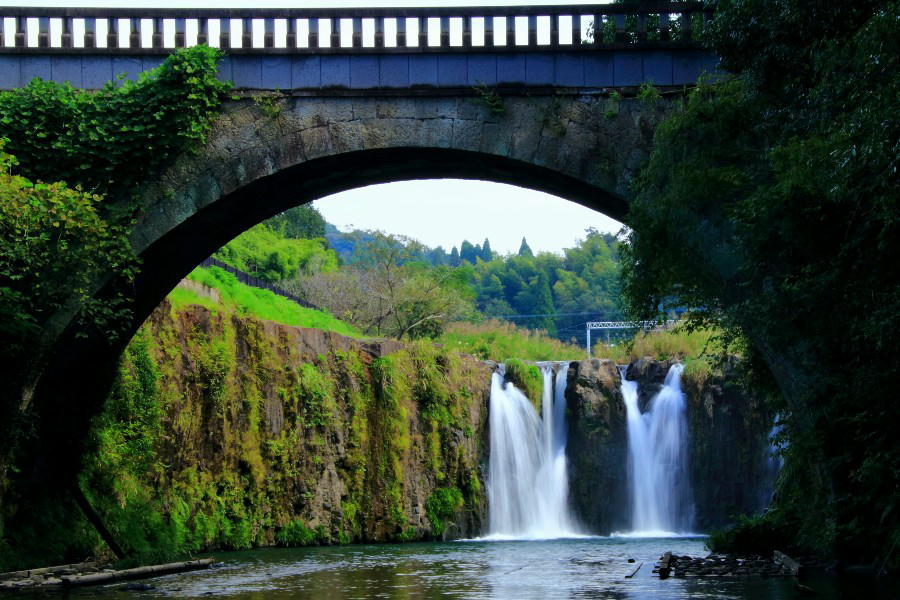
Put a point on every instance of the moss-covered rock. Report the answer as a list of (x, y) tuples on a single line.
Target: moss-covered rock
[(228, 432), (527, 377)]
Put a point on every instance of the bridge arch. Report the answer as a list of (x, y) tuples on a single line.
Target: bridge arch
[(258, 163)]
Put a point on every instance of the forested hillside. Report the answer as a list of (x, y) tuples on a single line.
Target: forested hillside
[(396, 286)]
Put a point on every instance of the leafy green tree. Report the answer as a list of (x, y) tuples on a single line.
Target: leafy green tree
[(302, 222), (769, 205), (54, 249), (454, 257)]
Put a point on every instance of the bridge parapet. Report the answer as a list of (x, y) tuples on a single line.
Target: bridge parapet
[(145, 31)]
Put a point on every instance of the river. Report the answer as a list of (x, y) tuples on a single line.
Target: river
[(575, 568)]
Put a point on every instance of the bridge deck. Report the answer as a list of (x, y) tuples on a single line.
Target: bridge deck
[(597, 46)]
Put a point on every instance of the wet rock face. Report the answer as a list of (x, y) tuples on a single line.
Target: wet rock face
[(597, 446), (650, 375), (729, 469)]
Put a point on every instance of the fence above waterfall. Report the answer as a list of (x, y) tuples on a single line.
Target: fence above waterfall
[(610, 325)]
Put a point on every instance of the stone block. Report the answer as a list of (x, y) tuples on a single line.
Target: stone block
[(394, 71), (466, 135), (364, 72), (569, 69), (688, 65), (452, 70), (247, 72), (66, 69), (306, 72), (482, 69), (276, 73), (151, 62), (423, 70), (35, 66), (335, 71), (10, 72), (539, 69), (628, 68), (130, 66), (396, 108), (658, 67), (598, 70), (365, 108), (96, 71), (225, 70), (511, 69)]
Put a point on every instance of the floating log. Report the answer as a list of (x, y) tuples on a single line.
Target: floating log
[(786, 561), (136, 573), (44, 570), (633, 573)]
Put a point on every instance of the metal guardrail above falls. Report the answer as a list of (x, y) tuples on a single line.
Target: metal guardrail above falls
[(147, 31)]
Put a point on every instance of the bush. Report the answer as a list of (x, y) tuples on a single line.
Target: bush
[(750, 535), (441, 507)]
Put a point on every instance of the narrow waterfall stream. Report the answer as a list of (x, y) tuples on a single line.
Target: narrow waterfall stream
[(658, 480), (527, 474)]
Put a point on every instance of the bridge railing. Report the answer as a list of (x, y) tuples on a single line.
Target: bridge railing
[(352, 31)]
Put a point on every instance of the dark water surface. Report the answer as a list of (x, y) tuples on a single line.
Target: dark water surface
[(581, 568)]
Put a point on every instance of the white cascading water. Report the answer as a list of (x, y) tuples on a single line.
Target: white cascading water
[(527, 479), (657, 459)]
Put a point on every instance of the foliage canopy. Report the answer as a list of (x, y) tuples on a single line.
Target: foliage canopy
[(770, 205)]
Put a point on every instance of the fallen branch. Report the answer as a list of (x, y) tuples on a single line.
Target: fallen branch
[(136, 573)]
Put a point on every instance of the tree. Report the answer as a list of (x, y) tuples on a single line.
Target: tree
[(524, 249), (54, 248), (300, 222), (486, 254), (468, 252), (388, 293), (769, 205), (454, 257)]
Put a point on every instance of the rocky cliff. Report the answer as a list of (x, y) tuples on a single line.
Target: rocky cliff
[(729, 465), (224, 431), (597, 446)]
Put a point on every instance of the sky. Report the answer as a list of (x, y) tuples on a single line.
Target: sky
[(445, 212), (435, 212)]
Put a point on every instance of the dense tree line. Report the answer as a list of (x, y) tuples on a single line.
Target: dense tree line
[(553, 292), (770, 203)]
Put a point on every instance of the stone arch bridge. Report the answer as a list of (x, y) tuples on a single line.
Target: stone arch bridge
[(520, 95)]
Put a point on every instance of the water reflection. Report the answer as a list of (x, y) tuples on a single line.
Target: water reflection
[(580, 568)]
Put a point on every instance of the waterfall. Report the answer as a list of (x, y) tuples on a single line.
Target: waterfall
[(527, 473), (657, 459)]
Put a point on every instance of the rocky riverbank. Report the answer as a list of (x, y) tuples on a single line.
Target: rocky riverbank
[(722, 565)]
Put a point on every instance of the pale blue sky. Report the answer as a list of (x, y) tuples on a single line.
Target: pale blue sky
[(437, 212)]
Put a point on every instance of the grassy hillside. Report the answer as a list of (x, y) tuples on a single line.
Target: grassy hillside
[(249, 301), (500, 340)]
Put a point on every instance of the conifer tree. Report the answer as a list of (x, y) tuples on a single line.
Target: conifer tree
[(524, 249)]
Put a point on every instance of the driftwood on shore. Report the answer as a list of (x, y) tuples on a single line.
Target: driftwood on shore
[(90, 573), (136, 573), (633, 573), (74, 567)]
